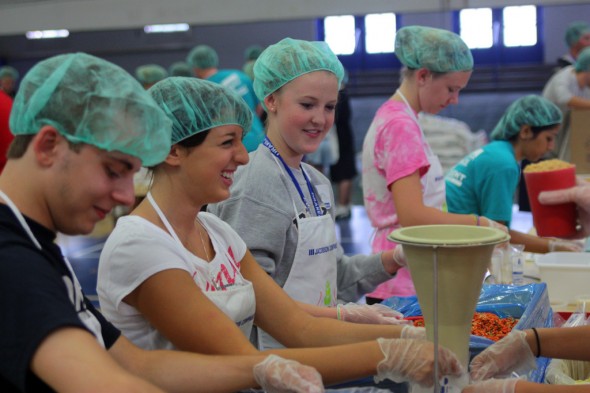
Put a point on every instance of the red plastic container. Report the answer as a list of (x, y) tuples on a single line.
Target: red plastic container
[(552, 220)]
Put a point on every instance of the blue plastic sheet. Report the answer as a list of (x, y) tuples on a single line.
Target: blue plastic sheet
[(529, 303)]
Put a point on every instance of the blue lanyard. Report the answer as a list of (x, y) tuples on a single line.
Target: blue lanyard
[(314, 199)]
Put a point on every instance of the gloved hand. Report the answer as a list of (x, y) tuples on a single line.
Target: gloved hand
[(277, 375), (484, 221), (580, 195), (413, 360), (394, 259), (417, 333), (492, 386), (377, 314), (511, 353), (565, 245)]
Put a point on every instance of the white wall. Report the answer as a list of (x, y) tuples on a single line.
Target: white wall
[(84, 15)]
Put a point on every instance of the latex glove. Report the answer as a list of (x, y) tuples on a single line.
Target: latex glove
[(417, 333), (580, 195), (484, 221), (277, 375), (492, 386), (413, 360), (565, 245), (511, 353), (377, 314), (394, 259)]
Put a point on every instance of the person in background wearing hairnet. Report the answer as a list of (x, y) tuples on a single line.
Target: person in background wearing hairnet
[(283, 208), (577, 37), (173, 276), (8, 79), (82, 127), (569, 89), (403, 183), (204, 61), (250, 55), (149, 74), (180, 68), (484, 182)]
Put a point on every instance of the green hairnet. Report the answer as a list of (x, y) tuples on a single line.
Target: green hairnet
[(150, 73), (248, 69), (8, 71), (531, 110), (180, 68), (583, 60), (252, 52), (575, 31), (195, 105), (288, 59), (89, 100), (434, 49), (202, 56)]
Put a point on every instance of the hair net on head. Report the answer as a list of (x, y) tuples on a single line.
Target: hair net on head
[(150, 73), (531, 110), (8, 71), (288, 59), (583, 61), (180, 68), (89, 100), (575, 31), (434, 49), (195, 105), (202, 56), (252, 52)]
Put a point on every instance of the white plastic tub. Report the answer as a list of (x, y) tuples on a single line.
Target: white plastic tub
[(567, 274)]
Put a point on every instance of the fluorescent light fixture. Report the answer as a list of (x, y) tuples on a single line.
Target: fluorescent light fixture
[(168, 28), (43, 34)]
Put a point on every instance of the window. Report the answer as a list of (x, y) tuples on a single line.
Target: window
[(476, 27), (380, 33), (339, 34), (520, 26)]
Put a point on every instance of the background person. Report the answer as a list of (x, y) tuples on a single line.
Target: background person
[(204, 61), (403, 182), (149, 74), (289, 202), (83, 126), (484, 182), (8, 80), (180, 68), (5, 134), (250, 55), (577, 37), (569, 89), (173, 276)]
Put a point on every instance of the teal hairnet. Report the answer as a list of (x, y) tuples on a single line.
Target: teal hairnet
[(575, 31), (150, 73), (252, 52), (180, 68), (202, 56), (531, 110), (288, 59), (583, 60), (195, 105), (8, 71), (89, 100), (434, 49)]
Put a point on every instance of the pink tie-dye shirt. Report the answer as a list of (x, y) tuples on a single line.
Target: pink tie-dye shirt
[(394, 147)]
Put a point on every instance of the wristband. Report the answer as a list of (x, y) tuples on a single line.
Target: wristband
[(338, 312), (476, 219)]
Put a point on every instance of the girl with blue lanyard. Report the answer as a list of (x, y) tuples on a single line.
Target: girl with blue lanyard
[(283, 208)]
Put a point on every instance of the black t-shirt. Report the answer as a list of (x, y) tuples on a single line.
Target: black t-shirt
[(38, 294)]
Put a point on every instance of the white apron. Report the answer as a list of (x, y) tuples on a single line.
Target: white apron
[(74, 288), (237, 302), (313, 276)]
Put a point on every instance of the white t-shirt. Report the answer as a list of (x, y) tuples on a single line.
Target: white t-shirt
[(138, 249), (563, 86)]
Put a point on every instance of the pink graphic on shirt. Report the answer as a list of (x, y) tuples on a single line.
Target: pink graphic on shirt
[(227, 274)]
